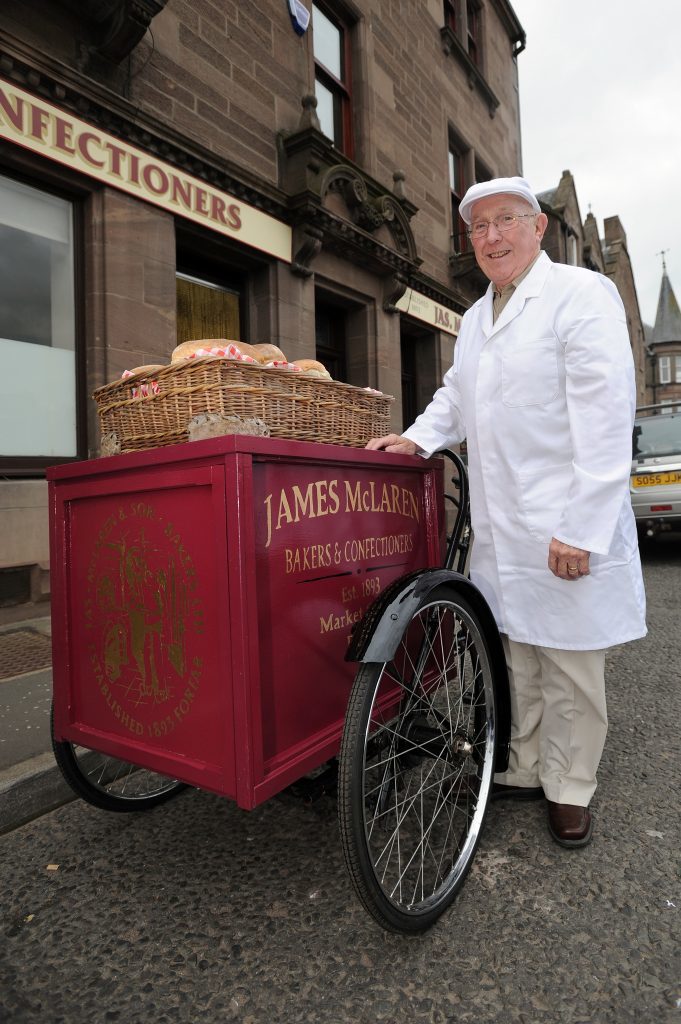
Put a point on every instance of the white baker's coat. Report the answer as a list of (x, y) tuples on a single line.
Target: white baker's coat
[(545, 398)]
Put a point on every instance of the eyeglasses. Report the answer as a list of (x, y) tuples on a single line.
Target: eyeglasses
[(505, 222)]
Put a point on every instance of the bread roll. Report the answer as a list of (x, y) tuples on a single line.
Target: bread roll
[(270, 354), (312, 368), (246, 350), (188, 348), (148, 368)]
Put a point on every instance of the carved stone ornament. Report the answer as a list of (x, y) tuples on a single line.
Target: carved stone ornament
[(307, 243), (370, 212), (113, 28), (334, 202), (394, 288)]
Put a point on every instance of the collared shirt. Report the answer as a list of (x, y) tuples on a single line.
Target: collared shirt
[(501, 297)]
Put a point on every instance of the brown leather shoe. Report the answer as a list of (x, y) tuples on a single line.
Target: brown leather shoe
[(570, 825)]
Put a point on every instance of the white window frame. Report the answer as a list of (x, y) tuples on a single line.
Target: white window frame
[(664, 369), (333, 78)]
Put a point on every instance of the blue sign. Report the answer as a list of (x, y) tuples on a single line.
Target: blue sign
[(300, 16)]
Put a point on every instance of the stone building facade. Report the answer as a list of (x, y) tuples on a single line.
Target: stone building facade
[(174, 169), (618, 268), (569, 239)]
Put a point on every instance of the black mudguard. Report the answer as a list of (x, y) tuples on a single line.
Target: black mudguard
[(376, 637)]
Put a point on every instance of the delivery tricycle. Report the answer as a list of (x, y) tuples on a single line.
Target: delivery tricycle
[(241, 613)]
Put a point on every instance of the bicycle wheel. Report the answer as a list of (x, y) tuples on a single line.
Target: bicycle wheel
[(416, 765), (109, 783)]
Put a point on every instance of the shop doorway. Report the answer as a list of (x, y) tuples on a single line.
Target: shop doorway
[(420, 369), (207, 310), (331, 338)]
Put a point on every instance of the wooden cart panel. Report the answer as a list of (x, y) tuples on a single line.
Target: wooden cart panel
[(203, 596)]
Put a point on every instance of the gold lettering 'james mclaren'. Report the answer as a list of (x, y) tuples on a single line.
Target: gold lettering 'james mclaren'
[(329, 497)]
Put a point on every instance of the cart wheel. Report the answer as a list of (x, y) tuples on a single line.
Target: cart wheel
[(109, 783), (416, 765)]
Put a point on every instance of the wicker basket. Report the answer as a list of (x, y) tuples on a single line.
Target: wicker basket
[(291, 404)]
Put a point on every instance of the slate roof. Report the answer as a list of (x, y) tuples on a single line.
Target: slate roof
[(548, 196), (668, 319)]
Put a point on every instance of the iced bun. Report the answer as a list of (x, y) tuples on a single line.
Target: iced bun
[(188, 349), (312, 368)]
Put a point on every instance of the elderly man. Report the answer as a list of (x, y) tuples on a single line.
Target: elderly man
[(542, 388)]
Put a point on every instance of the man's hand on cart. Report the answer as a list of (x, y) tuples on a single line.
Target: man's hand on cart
[(393, 443)]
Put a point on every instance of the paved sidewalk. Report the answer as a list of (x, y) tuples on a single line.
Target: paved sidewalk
[(30, 782)]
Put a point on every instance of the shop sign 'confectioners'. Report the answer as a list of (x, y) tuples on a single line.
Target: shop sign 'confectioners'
[(39, 126)]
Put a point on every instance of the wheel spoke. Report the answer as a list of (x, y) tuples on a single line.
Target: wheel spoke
[(120, 778), (425, 759), (108, 782)]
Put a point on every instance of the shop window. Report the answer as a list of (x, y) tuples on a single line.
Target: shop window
[(665, 369), (207, 310), (333, 73), (330, 339), (38, 393)]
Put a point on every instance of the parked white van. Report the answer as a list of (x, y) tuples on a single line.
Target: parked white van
[(656, 469)]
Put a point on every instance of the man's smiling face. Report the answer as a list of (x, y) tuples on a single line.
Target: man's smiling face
[(502, 257)]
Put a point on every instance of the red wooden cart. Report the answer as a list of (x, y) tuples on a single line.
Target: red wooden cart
[(204, 602)]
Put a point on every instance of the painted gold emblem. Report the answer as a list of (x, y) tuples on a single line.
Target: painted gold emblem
[(142, 612)]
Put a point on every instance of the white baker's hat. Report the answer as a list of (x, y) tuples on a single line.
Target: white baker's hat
[(497, 186)]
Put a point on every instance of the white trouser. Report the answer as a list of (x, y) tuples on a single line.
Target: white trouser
[(558, 720)]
